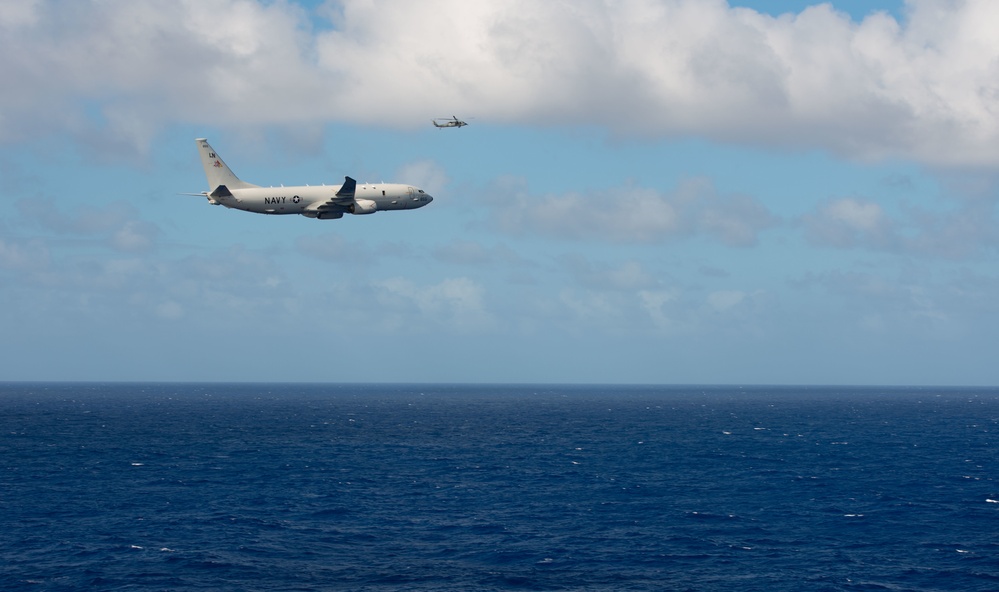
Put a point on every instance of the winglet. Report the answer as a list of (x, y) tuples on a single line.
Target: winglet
[(348, 189)]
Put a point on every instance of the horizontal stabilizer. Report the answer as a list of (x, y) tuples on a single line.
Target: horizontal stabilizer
[(348, 189), (221, 191)]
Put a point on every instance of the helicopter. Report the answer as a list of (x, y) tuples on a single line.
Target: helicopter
[(445, 122)]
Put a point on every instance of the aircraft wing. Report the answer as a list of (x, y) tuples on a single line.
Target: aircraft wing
[(346, 194), (343, 198)]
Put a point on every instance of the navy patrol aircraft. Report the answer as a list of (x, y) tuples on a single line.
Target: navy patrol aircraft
[(322, 201), (445, 122)]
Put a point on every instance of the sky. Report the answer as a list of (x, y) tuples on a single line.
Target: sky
[(649, 191)]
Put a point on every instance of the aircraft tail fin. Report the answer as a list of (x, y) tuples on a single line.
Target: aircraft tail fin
[(216, 170)]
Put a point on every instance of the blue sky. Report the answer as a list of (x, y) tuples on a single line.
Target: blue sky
[(650, 191)]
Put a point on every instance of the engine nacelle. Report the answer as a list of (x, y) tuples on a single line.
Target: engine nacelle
[(362, 206)]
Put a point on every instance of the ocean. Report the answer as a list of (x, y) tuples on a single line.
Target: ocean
[(497, 487)]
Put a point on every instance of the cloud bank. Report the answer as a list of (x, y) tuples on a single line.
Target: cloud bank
[(925, 89)]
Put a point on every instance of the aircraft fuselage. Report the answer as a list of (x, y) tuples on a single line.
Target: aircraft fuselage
[(305, 199)]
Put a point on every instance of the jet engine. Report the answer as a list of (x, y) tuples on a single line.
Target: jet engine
[(362, 206)]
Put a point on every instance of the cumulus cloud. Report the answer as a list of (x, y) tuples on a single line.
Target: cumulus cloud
[(170, 310), (474, 254), (32, 255), (333, 247), (224, 287), (654, 302), (674, 310), (132, 67), (117, 224), (926, 88), (941, 305), (456, 302), (849, 222), (135, 235), (625, 276), (970, 230), (633, 214), (967, 230), (723, 300)]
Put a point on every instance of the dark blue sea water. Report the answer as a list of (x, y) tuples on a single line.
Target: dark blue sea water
[(345, 487)]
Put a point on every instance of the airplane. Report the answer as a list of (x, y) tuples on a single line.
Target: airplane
[(322, 202), (445, 122)]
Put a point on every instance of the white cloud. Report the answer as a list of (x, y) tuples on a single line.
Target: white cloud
[(926, 88), (589, 309), (653, 302), (474, 254), (170, 310), (129, 68), (627, 276), (82, 287), (634, 215), (33, 255), (967, 230), (940, 305), (20, 13), (455, 302), (135, 235), (723, 300), (332, 247), (117, 223), (860, 216), (847, 223)]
